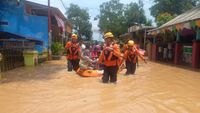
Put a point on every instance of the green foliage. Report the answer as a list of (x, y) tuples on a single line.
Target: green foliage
[(80, 19), (111, 17), (117, 17), (149, 22), (163, 18), (56, 48), (173, 7), (134, 13)]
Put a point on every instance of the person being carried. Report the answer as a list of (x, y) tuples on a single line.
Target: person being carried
[(110, 57), (86, 61)]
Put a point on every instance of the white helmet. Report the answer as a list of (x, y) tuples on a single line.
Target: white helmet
[(83, 46)]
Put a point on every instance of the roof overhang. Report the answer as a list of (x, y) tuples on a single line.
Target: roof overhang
[(12, 36)]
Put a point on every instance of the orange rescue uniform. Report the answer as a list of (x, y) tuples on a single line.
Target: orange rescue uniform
[(73, 54), (110, 58), (130, 57)]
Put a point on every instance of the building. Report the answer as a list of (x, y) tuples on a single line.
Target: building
[(138, 33), (24, 26), (179, 38)]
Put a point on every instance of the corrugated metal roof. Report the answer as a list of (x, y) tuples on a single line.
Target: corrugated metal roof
[(140, 28), (45, 7), (126, 34), (190, 15)]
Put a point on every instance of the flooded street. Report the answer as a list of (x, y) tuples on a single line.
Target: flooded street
[(49, 88)]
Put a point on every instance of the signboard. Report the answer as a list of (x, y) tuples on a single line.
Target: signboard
[(187, 49), (187, 54)]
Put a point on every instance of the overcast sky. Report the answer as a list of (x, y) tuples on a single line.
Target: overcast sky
[(93, 7)]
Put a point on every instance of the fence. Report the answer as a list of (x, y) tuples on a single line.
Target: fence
[(12, 53)]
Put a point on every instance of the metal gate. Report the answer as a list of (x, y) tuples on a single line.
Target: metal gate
[(12, 53)]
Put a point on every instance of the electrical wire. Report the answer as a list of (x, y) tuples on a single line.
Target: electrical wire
[(63, 5)]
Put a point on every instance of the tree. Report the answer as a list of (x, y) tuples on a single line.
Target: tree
[(80, 20), (163, 18), (134, 13), (111, 17), (173, 7), (149, 22), (117, 17)]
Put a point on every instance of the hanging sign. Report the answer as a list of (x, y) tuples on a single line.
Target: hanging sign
[(154, 33), (197, 23), (179, 27)]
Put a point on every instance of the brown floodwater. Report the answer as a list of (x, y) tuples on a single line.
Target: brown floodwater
[(49, 88)]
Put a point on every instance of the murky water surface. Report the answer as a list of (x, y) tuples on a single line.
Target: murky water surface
[(49, 88)]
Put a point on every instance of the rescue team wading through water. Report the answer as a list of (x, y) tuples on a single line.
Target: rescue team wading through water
[(110, 57)]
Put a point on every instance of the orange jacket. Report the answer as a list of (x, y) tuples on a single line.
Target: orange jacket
[(110, 57), (130, 55), (73, 50), (125, 47)]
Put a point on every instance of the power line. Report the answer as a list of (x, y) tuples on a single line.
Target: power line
[(63, 5)]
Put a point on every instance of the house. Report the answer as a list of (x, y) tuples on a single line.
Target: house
[(24, 26), (138, 33), (180, 38)]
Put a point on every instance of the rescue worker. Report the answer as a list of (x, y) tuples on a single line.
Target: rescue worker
[(110, 57), (69, 65), (73, 52), (125, 47), (130, 57)]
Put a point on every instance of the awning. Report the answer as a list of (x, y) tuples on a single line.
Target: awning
[(186, 20), (60, 22)]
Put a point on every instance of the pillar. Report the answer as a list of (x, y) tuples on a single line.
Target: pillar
[(178, 50), (154, 50), (198, 34), (196, 50), (177, 36)]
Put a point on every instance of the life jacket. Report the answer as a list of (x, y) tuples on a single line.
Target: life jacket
[(73, 51), (109, 58), (125, 47), (132, 54)]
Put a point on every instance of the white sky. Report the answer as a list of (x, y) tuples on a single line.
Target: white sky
[(93, 7)]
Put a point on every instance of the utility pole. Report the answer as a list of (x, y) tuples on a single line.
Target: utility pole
[(145, 38), (49, 31), (49, 17)]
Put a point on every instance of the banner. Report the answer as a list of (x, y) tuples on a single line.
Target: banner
[(60, 22)]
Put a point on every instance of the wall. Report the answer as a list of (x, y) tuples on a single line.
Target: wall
[(18, 22)]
